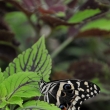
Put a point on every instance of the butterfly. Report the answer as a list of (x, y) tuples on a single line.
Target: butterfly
[(68, 94)]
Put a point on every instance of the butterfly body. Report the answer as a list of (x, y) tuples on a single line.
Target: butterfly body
[(68, 94)]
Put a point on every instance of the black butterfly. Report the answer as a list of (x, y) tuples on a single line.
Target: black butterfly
[(68, 94)]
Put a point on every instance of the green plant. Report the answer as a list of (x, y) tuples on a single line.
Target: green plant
[(19, 82)]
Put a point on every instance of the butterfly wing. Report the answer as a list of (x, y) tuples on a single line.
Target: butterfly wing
[(83, 91), (71, 99), (50, 98)]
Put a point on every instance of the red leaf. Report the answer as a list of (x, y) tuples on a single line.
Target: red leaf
[(52, 2), (94, 4), (72, 3), (86, 69), (53, 21), (58, 8), (94, 33), (61, 75), (44, 11)]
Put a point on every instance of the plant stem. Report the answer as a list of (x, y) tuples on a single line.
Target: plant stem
[(34, 26), (67, 41), (61, 47), (70, 39)]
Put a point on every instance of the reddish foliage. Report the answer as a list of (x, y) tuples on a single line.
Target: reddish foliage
[(54, 21), (86, 69), (94, 33), (72, 3), (94, 4), (44, 11), (52, 2), (61, 75), (58, 8)]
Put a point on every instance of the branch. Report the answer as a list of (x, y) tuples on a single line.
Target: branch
[(19, 6)]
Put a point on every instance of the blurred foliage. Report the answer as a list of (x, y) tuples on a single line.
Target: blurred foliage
[(77, 36)]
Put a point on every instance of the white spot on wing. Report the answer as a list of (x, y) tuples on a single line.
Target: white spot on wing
[(76, 92), (73, 108), (86, 83), (95, 91), (87, 95), (82, 96), (78, 108), (91, 88), (78, 83), (87, 90), (74, 102), (81, 102), (69, 82), (95, 87), (77, 98), (91, 93), (80, 89)]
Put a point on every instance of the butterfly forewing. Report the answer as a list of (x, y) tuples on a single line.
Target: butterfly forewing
[(85, 89)]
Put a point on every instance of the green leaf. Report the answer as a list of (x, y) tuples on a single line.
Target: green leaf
[(3, 91), (23, 84), (82, 15), (103, 24), (38, 105), (46, 106), (60, 14), (7, 108), (35, 59), (16, 100), (1, 76), (3, 104), (27, 105), (67, 1), (18, 23), (34, 18)]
